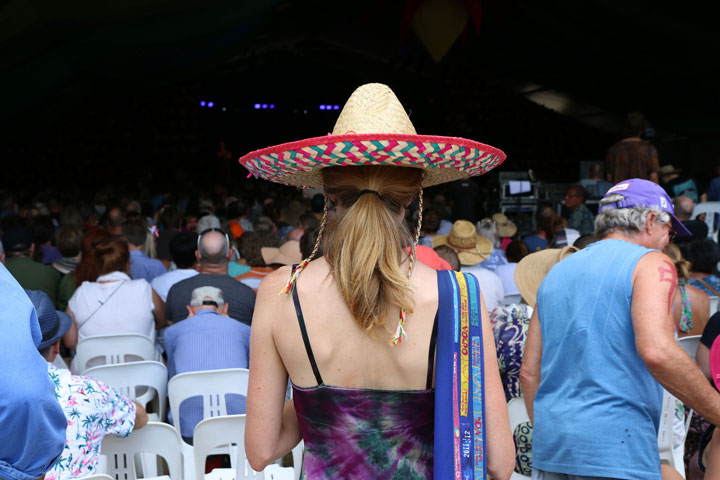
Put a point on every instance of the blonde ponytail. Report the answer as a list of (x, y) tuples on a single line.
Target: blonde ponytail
[(365, 241)]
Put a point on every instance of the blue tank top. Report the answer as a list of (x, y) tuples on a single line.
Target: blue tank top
[(597, 409)]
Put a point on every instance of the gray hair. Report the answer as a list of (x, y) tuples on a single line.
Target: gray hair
[(487, 228), (205, 222), (625, 220)]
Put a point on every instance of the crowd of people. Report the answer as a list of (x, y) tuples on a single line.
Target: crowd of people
[(197, 276)]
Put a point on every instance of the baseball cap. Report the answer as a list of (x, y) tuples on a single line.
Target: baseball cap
[(644, 193), (53, 323), (17, 238), (207, 296)]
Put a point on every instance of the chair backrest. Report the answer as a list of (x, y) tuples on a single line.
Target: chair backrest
[(98, 476), (211, 385), (511, 299), (714, 304), (126, 377), (690, 344), (709, 209), (219, 431), (113, 349), (517, 412), (276, 472), (157, 438)]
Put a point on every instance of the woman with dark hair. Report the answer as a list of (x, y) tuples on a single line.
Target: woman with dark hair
[(113, 304), (86, 270), (705, 255), (358, 329)]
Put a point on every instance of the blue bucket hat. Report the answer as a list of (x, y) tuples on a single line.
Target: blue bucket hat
[(53, 323), (644, 193)]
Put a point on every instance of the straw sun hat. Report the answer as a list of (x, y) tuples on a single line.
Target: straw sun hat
[(373, 129), (505, 227), (532, 269), (470, 247)]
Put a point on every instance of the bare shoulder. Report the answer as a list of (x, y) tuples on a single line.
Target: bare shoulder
[(275, 281), (653, 263)]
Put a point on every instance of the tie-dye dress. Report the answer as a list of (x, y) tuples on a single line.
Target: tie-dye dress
[(352, 433)]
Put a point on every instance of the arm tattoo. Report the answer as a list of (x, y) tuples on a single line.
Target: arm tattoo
[(668, 274)]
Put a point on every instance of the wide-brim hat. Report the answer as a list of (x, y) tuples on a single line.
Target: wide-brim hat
[(287, 254), (373, 129), (53, 323), (668, 169), (532, 269), (505, 227), (463, 238)]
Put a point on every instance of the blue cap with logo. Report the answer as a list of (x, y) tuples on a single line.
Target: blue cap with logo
[(644, 193)]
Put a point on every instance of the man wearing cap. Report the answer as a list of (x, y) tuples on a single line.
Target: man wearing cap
[(31, 420), (207, 340), (92, 408), (30, 275), (213, 254), (602, 337)]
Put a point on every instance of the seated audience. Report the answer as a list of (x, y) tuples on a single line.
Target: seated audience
[(704, 255), (487, 228), (581, 218), (472, 249), (69, 242), (449, 255), (213, 254), (207, 340), (540, 240), (141, 266), (506, 229), (43, 231), (515, 252), (691, 308), (19, 248), (182, 251), (169, 221), (114, 304), (430, 225), (92, 408), (251, 245)]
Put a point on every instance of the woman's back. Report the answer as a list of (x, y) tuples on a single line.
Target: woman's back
[(692, 310), (368, 413)]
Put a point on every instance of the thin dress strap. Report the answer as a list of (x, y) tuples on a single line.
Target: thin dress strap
[(306, 340), (431, 353)]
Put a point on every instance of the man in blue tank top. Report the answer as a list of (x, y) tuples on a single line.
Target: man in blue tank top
[(600, 346)]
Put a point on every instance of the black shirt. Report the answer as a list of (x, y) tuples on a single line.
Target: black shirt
[(240, 297)]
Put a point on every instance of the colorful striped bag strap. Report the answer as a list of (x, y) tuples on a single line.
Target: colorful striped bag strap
[(460, 437)]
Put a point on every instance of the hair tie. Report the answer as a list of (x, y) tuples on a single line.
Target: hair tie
[(375, 192)]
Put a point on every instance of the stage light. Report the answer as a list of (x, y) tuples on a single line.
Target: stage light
[(322, 107), (272, 105), (257, 106), (336, 107), (264, 106), (328, 107), (211, 104), (224, 109), (202, 103)]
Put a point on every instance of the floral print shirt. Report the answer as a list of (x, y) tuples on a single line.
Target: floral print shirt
[(93, 410)]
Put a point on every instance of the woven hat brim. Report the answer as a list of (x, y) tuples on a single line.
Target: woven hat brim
[(507, 230), (481, 251), (444, 158), (532, 269)]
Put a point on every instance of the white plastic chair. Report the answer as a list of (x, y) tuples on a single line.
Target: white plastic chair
[(709, 209), (276, 472), (212, 386), (157, 438), (297, 454), (127, 377), (112, 349), (97, 476), (714, 304), (217, 432), (517, 412), (668, 454), (690, 344), (511, 299)]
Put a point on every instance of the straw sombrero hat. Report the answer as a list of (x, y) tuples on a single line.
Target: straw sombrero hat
[(532, 269), (470, 247), (373, 129), (505, 227)]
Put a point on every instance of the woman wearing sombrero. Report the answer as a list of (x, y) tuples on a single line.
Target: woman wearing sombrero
[(393, 364)]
